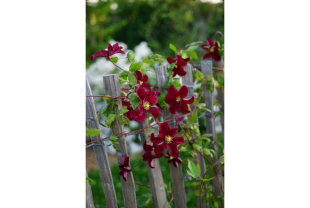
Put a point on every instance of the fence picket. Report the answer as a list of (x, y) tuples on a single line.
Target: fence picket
[(178, 189), (89, 195), (188, 81), (155, 177), (112, 88), (206, 69), (220, 92), (100, 152)]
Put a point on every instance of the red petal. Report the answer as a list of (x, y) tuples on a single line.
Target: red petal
[(179, 59), (173, 131), (207, 55), (164, 128), (144, 78), (210, 42), (145, 86), (151, 163), (121, 172), (160, 148), (151, 98), (115, 47), (141, 93), (147, 148), (175, 163), (170, 60), (147, 156), (123, 159), (179, 71), (205, 47), (125, 176), (159, 155), (156, 140), (216, 56), (100, 53), (155, 112), (184, 108), (183, 92), (178, 140), (189, 101), (174, 108), (170, 99), (173, 150), (139, 115), (138, 76), (172, 91), (161, 135), (126, 163), (110, 49)]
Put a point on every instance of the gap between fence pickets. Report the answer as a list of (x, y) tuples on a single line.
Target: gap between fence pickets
[(155, 176), (112, 88), (206, 69), (178, 189), (198, 159), (100, 152)]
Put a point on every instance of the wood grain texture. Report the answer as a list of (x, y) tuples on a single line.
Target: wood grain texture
[(188, 80), (206, 69), (178, 189), (220, 91), (155, 177), (112, 88), (89, 195), (100, 152)]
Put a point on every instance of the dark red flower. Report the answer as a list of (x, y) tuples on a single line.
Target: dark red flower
[(178, 68), (167, 136), (147, 99), (176, 99), (127, 105), (124, 167), (107, 53), (187, 59), (141, 80), (152, 152), (174, 160), (213, 50)]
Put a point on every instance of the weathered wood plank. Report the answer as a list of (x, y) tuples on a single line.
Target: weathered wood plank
[(112, 88), (89, 195), (206, 69), (100, 152), (220, 91), (178, 189), (155, 177), (187, 80)]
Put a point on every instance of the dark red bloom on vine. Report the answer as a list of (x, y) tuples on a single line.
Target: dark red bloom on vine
[(147, 100), (176, 99), (174, 160), (212, 50), (178, 68), (127, 105), (167, 136), (152, 152), (124, 167), (141, 80), (107, 53)]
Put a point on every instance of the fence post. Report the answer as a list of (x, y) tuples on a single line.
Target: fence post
[(187, 80), (155, 177), (206, 69), (219, 71), (178, 189), (112, 88), (89, 195), (100, 152)]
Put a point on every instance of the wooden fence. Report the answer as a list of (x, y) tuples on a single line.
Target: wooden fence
[(112, 87)]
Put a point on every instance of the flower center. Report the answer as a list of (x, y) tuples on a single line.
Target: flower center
[(171, 157), (146, 105), (212, 49), (175, 66), (178, 99), (141, 82), (168, 139), (153, 153)]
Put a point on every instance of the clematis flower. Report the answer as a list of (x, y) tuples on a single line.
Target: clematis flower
[(175, 160), (212, 50), (167, 136), (176, 99), (147, 99), (178, 68), (141, 80), (107, 53), (127, 105), (187, 59), (152, 152), (124, 167)]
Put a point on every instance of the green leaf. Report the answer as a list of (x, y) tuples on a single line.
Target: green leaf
[(132, 79), (172, 47), (193, 117), (124, 75), (194, 184), (145, 67), (197, 147), (206, 151), (135, 66), (147, 132), (221, 80), (199, 75), (89, 179), (142, 200), (122, 111), (192, 53), (92, 132), (114, 59), (199, 141), (113, 138), (195, 170), (209, 179), (115, 147), (131, 56), (146, 60), (107, 98), (171, 67), (111, 118), (134, 100)]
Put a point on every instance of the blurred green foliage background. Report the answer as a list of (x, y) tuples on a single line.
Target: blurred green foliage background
[(158, 22)]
